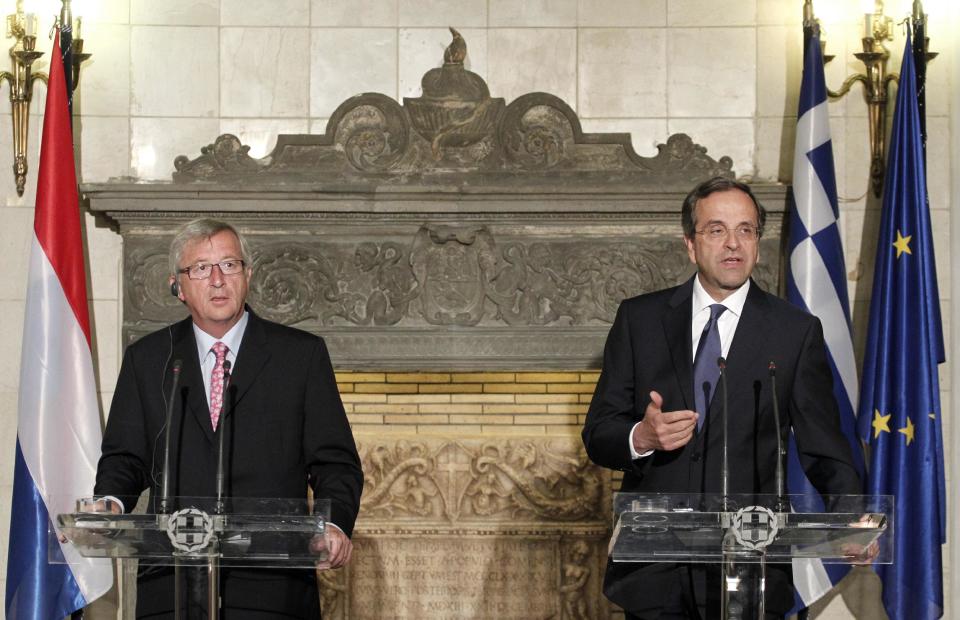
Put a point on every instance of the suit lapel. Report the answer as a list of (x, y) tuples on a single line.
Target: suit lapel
[(191, 379), (676, 327), (251, 359), (747, 341)]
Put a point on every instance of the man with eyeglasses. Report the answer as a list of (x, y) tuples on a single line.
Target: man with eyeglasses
[(275, 389), (654, 416)]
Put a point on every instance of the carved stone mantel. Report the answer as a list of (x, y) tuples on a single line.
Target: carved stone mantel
[(452, 230), (404, 277)]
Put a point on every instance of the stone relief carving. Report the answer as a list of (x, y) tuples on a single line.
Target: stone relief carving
[(515, 480), (372, 135), (147, 291), (444, 275), (454, 128), (573, 581), (459, 276), (452, 266), (456, 109), (333, 589)]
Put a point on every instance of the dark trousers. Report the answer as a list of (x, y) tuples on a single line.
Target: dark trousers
[(695, 594)]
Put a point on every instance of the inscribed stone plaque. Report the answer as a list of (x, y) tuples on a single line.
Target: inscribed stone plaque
[(475, 527), (470, 576)]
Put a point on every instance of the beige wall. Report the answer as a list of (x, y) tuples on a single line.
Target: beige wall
[(167, 77)]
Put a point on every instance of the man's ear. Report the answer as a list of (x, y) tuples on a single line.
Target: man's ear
[(690, 251), (175, 288)]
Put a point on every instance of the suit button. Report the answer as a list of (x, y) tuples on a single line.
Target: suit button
[(695, 457)]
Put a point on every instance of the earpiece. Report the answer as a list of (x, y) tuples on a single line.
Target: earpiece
[(175, 288)]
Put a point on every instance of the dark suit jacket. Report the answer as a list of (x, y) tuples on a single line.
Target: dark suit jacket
[(288, 430), (649, 348)]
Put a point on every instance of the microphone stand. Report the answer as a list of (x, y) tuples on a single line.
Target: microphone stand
[(165, 485), (213, 563), (164, 508), (781, 504), (725, 466)]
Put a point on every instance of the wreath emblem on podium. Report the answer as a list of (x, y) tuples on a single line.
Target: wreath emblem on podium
[(755, 527), (190, 530)]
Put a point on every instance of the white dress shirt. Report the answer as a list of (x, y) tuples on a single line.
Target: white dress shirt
[(208, 359), (700, 311)]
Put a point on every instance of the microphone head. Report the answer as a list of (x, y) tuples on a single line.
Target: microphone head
[(177, 365), (773, 368), (722, 363), (226, 365)]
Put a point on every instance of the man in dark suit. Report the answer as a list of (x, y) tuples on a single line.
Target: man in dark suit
[(653, 415), (287, 427)]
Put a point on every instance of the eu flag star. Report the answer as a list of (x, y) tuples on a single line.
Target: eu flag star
[(907, 431), (880, 423), (902, 244)]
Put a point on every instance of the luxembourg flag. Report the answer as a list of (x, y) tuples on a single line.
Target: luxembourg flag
[(58, 432)]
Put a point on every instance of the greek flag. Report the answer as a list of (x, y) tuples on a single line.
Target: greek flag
[(816, 281)]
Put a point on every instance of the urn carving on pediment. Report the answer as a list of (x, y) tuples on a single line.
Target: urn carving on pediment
[(456, 108)]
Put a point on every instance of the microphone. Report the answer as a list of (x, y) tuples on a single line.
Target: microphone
[(225, 410), (781, 503), (165, 486), (725, 471)]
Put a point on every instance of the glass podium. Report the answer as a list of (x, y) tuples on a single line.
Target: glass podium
[(742, 533), (246, 532)]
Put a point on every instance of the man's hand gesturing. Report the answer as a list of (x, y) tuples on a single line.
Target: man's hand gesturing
[(663, 430)]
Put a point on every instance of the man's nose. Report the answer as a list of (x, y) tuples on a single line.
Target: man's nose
[(731, 241), (216, 275)]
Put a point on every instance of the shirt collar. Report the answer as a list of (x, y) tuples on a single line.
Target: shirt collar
[(232, 338), (734, 302)]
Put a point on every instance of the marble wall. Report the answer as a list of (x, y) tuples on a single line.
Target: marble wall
[(168, 77)]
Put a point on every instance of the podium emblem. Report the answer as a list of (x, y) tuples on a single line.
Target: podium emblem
[(755, 527), (190, 530)]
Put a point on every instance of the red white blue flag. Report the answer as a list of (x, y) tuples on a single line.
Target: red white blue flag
[(58, 429)]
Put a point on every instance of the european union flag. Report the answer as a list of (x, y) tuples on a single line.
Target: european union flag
[(900, 397)]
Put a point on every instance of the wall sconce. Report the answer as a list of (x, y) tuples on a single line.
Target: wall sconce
[(23, 28), (876, 81)]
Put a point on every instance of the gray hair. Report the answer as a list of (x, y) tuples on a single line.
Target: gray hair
[(202, 228)]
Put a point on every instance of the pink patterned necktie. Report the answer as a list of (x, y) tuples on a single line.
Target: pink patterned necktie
[(216, 383)]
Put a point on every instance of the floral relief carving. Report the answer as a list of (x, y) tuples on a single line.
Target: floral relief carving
[(227, 155), (148, 290), (285, 282), (520, 480), (373, 136), (458, 276), (393, 285), (537, 131)]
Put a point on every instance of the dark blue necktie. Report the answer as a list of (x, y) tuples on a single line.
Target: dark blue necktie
[(705, 369)]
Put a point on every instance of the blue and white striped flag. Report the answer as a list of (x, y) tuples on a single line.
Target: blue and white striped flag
[(816, 281)]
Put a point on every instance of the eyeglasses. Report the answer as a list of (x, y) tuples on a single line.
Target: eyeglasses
[(719, 232), (202, 271)]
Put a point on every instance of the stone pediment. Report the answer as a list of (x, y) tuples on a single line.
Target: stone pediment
[(455, 133), (453, 229)]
